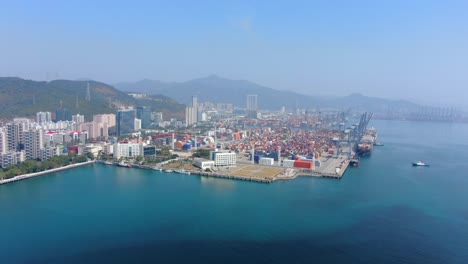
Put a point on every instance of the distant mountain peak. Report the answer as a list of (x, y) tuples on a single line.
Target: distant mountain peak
[(213, 76), (356, 95)]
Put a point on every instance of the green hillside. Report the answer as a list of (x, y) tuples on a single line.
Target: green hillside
[(19, 97)]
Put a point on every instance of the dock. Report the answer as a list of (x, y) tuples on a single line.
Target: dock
[(35, 174)]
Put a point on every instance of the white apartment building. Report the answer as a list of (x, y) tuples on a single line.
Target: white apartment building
[(3, 141), (33, 143), (137, 125), (12, 157), (43, 117), (105, 118), (78, 119), (49, 152)]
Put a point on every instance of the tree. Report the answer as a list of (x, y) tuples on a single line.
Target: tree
[(138, 158), (80, 159), (90, 155)]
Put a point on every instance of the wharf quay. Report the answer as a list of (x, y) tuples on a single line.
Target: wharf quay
[(233, 177), (35, 174), (333, 167)]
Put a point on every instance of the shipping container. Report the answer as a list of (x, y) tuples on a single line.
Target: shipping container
[(266, 161), (303, 164), (187, 146), (179, 144), (258, 157), (288, 163)]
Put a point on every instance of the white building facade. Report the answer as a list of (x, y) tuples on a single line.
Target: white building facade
[(128, 150), (224, 159)]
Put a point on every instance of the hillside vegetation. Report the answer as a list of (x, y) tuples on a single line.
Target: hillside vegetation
[(19, 97)]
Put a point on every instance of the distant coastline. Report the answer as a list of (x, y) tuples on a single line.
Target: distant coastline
[(35, 174)]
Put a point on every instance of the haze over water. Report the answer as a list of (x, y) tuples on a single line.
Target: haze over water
[(384, 211)]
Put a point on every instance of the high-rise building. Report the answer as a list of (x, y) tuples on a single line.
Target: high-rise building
[(78, 119), (125, 120), (252, 102), (3, 141), (11, 157), (43, 117), (195, 109), (15, 135), (137, 125), (189, 116), (158, 117), (94, 129), (88, 93), (252, 105), (33, 143), (105, 118), (191, 112), (63, 114), (144, 113)]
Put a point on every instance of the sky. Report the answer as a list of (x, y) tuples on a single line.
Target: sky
[(416, 50)]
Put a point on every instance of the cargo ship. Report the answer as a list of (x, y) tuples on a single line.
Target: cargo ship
[(366, 144)]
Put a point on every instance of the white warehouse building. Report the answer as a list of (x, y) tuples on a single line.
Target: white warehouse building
[(203, 164)]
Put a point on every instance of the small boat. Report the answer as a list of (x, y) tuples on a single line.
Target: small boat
[(167, 170), (378, 144), (420, 163), (108, 163), (123, 164), (354, 162)]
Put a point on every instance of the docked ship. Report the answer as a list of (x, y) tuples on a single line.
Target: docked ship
[(123, 164), (366, 144), (355, 161)]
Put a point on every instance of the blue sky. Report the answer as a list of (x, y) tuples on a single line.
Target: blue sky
[(395, 49)]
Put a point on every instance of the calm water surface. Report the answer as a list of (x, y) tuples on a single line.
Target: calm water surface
[(385, 211)]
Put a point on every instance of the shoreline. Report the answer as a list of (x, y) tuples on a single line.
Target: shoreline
[(35, 174)]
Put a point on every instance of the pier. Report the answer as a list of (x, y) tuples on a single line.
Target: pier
[(31, 175)]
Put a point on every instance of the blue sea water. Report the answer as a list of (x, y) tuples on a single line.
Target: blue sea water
[(384, 211)]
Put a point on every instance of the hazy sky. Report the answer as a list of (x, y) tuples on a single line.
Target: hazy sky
[(397, 49)]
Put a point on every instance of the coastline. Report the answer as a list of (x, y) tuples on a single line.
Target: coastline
[(35, 174)]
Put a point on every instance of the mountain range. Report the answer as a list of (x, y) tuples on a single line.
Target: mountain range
[(20, 97), (221, 90)]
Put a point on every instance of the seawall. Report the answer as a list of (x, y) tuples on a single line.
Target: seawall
[(35, 174)]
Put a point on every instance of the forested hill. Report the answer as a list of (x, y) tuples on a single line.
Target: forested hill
[(20, 97)]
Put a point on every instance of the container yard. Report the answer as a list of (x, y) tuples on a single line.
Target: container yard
[(271, 150)]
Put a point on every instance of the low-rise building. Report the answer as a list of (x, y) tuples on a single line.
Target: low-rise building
[(203, 164)]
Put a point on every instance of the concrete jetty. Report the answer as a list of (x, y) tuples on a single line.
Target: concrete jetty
[(31, 175)]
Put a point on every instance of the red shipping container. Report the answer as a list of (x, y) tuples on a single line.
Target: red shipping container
[(303, 164)]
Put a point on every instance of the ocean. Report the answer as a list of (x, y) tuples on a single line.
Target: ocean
[(384, 211)]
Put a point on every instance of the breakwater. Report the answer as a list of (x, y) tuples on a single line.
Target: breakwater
[(35, 174)]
